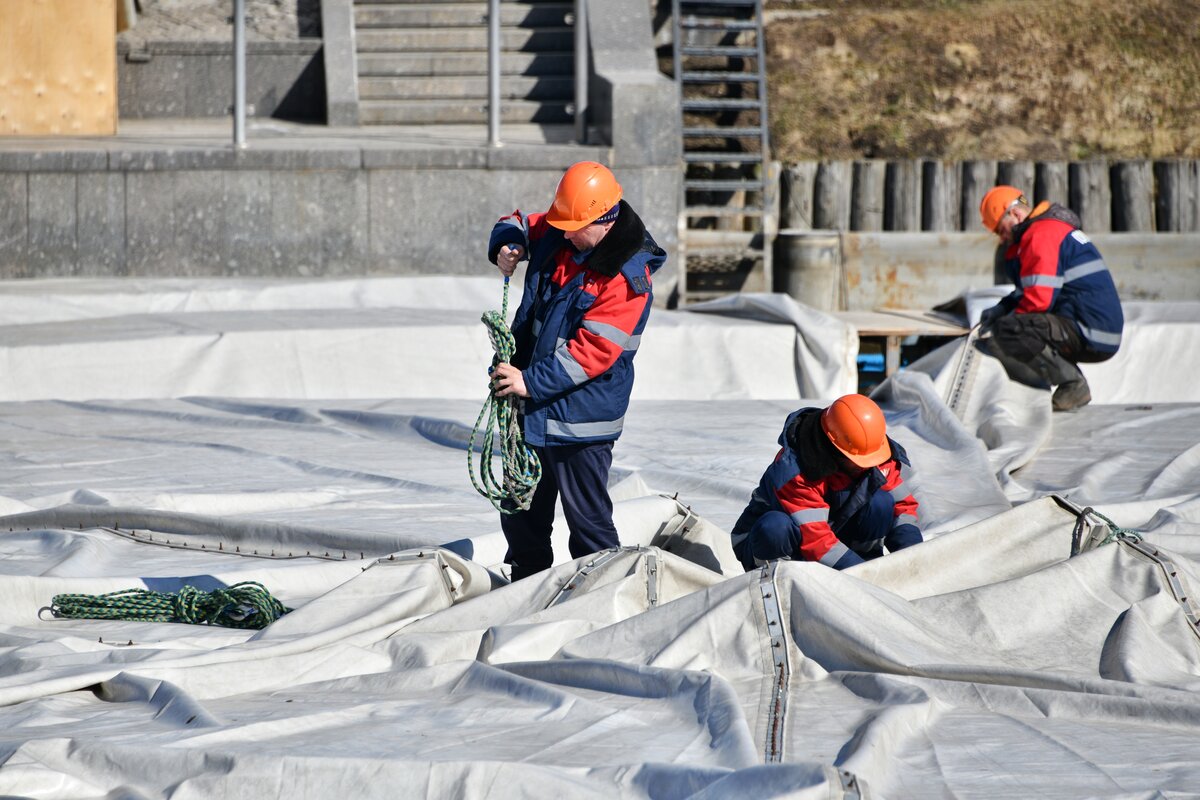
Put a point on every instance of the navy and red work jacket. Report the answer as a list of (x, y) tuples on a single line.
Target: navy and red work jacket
[(579, 325), (822, 508), (1058, 270)]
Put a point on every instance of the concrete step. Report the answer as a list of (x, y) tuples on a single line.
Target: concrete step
[(456, 15), (433, 112), (460, 39), (551, 87), (372, 65)]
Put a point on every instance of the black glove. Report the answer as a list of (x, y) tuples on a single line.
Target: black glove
[(989, 317)]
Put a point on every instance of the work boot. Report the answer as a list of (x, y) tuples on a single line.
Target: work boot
[(1072, 395), (1072, 391)]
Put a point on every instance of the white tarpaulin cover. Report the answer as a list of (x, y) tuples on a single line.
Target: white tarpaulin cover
[(313, 436)]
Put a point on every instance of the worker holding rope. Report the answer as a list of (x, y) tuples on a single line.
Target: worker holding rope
[(586, 300)]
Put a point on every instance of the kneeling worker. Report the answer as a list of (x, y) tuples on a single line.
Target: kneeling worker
[(1065, 309), (834, 493)]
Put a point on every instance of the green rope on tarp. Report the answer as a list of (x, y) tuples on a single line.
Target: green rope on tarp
[(1080, 543), (243, 605), (1115, 531), (520, 467)]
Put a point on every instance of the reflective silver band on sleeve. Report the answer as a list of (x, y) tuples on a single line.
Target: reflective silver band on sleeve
[(806, 515), (1042, 280), (612, 333), (1083, 270), (905, 519), (834, 555), (572, 367)]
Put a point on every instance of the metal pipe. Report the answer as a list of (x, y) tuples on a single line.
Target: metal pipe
[(581, 71), (239, 73), (493, 73)]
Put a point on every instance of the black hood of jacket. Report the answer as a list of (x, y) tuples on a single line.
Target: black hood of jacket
[(626, 237), (817, 456), (1054, 211)]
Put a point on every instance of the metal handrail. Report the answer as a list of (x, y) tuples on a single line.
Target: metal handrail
[(239, 73), (493, 73), (582, 62), (581, 71)]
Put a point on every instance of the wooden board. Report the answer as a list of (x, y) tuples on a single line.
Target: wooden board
[(900, 322), (894, 325), (58, 74)]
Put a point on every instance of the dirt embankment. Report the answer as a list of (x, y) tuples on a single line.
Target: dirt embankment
[(1008, 79)]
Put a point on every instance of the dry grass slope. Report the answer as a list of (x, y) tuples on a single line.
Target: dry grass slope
[(1008, 79)]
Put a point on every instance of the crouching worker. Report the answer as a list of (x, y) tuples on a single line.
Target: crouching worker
[(1064, 310), (834, 493)]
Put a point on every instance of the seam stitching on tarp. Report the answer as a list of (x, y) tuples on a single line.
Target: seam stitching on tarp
[(777, 710), (1175, 581)]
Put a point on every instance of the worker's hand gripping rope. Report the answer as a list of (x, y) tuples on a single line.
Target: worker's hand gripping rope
[(521, 468)]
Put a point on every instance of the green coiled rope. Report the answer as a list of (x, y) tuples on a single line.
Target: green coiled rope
[(243, 605), (520, 467)]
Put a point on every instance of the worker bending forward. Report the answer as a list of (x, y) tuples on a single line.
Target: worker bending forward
[(1065, 308), (587, 298), (834, 493)]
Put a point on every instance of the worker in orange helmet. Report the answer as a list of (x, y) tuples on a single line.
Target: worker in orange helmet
[(833, 494), (1064, 309), (588, 293)]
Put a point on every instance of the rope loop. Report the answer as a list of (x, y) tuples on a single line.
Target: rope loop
[(499, 419), (243, 605), (1115, 533)]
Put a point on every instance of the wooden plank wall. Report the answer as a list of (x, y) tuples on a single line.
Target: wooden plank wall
[(58, 72), (928, 195)]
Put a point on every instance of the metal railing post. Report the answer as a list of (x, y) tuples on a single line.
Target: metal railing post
[(493, 73), (239, 73), (581, 71)]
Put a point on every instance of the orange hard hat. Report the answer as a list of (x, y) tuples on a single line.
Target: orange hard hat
[(586, 191), (857, 428), (998, 200)]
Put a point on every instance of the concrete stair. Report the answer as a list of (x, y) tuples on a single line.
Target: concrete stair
[(426, 62)]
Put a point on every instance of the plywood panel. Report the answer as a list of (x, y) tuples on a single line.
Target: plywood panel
[(59, 70)]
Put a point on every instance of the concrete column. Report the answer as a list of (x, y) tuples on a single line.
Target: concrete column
[(1132, 196), (977, 177), (940, 196), (1016, 173), (341, 68), (1051, 183), (866, 195), (797, 191), (1090, 196), (831, 209), (902, 196)]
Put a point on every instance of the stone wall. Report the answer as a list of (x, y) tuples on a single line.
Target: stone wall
[(282, 213), (195, 79)]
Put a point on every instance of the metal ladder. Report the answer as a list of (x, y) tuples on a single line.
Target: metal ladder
[(728, 221)]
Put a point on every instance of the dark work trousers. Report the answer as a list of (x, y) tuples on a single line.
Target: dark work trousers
[(774, 535), (1022, 337), (579, 473)]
